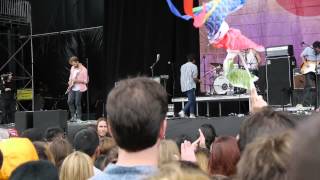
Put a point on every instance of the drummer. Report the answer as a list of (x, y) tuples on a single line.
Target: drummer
[(216, 69), (252, 59)]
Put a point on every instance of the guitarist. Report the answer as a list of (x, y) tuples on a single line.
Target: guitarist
[(78, 81), (310, 54)]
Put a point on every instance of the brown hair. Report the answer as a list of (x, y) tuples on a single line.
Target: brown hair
[(43, 151), (60, 149), (224, 156), (106, 144), (305, 159), (73, 59), (136, 110), (266, 158), (265, 122)]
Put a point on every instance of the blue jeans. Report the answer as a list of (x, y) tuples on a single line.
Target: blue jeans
[(74, 103), (191, 105)]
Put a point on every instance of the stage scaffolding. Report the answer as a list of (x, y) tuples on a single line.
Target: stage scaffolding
[(14, 16), (17, 13)]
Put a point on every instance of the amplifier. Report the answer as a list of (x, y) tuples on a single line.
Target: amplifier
[(277, 51)]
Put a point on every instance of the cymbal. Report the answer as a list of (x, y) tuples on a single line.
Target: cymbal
[(216, 64)]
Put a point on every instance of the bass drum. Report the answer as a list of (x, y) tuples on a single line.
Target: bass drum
[(221, 85)]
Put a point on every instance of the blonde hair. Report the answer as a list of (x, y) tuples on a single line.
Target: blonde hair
[(174, 171), (77, 166), (202, 156), (168, 152), (266, 157)]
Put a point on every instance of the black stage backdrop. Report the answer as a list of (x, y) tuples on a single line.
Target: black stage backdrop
[(135, 31), (51, 52)]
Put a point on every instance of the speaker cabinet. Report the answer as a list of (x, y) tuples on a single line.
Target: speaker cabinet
[(279, 78), (23, 120), (53, 118)]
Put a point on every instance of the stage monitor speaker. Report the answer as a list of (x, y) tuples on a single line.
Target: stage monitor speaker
[(279, 80), (52, 118), (23, 120)]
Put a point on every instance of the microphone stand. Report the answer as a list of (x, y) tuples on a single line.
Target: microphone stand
[(152, 67)]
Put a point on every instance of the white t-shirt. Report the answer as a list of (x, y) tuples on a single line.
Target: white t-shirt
[(76, 86)]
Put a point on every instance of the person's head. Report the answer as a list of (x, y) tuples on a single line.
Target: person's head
[(316, 46), (15, 151), (101, 162), (168, 152), (10, 76), (33, 134), (136, 110), (78, 166), (267, 157), (35, 170), (178, 172), (191, 58), (264, 122), (224, 156), (305, 159), (74, 61), (87, 141), (106, 144), (43, 151), (52, 133), (102, 127), (60, 149), (209, 133), (202, 155)]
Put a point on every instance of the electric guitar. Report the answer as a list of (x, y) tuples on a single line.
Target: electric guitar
[(309, 66), (71, 83)]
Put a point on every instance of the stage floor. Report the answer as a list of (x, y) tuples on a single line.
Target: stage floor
[(226, 125)]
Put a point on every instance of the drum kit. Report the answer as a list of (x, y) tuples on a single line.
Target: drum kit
[(219, 84)]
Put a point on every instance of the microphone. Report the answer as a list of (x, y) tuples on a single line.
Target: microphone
[(302, 43)]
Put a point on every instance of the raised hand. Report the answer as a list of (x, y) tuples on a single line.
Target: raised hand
[(187, 151)]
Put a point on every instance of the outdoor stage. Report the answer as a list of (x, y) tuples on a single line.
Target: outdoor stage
[(226, 104)]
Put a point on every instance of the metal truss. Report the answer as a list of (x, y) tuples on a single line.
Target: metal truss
[(13, 14)]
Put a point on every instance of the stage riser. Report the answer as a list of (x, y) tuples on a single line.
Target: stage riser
[(41, 120)]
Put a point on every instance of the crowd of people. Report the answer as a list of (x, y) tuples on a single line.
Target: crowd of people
[(131, 144)]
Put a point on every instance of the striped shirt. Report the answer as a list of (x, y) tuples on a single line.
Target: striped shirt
[(188, 72), (310, 54)]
